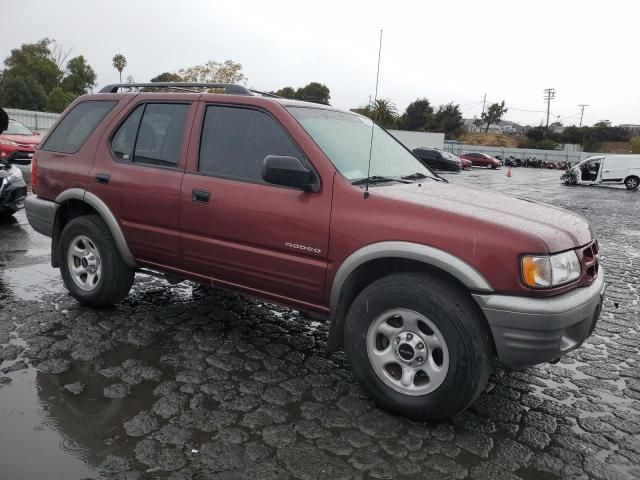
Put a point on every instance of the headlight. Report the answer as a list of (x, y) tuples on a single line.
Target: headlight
[(545, 271), (8, 142)]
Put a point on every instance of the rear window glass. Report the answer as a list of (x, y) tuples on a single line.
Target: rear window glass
[(76, 126)]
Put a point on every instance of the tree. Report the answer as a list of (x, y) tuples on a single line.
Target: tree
[(22, 92), (167, 77), (286, 92), (80, 77), (477, 123), (382, 111), (493, 114), (58, 99), (448, 120), (417, 117), (119, 62), (314, 92), (214, 72)]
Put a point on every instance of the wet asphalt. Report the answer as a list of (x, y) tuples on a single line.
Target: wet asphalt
[(185, 382)]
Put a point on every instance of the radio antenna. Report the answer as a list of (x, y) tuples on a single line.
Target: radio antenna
[(373, 120)]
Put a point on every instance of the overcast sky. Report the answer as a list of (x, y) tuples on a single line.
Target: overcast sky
[(443, 50)]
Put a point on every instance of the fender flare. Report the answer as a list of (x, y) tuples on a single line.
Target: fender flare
[(435, 257), (108, 218)]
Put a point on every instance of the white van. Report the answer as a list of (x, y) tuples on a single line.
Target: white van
[(605, 169)]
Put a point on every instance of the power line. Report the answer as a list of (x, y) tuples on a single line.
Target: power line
[(582, 107), (549, 94)]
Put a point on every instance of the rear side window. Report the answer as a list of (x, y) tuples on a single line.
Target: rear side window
[(152, 134), (235, 142), (76, 126)]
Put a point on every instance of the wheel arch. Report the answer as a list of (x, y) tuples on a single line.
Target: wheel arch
[(374, 261), (75, 202)]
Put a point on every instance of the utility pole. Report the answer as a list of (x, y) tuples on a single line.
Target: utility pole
[(484, 101), (549, 94), (582, 107)]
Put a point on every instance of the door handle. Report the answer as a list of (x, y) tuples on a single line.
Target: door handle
[(607, 171), (201, 196), (103, 178)]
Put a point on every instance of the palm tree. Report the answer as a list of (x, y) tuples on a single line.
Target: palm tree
[(384, 112), (119, 62)]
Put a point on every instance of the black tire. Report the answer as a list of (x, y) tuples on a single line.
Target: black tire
[(116, 278), (6, 214), (461, 323), (631, 182)]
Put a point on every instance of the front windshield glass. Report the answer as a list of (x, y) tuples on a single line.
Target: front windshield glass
[(16, 128), (345, 138)]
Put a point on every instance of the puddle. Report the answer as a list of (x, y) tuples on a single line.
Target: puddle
[(31, 282), (28, 434)]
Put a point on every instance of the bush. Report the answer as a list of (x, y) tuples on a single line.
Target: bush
[(635, 144)]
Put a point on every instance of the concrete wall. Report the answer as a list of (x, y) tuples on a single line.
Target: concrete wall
[(36, 121), (413, 140)]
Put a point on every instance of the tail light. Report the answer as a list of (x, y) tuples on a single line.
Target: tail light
[(34, 173)]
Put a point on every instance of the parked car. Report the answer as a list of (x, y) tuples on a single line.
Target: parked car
[(437, 159), (17, 144), (466, 164), (13, 190), (605, 170), (482, 160), (290, 201)]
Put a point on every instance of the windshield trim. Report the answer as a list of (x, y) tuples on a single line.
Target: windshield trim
[(337, 110)]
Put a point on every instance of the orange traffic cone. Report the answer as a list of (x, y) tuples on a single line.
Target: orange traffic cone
[(509, 172)]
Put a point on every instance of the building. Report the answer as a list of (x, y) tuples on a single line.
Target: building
[(632, 128), (505, 127)]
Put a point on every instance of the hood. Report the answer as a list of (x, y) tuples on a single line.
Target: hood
[(558, 228), (33, 140)]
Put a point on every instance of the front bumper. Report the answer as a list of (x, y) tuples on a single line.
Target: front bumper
[(528, 331)]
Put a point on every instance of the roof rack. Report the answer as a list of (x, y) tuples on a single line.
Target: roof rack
[(229, 88)]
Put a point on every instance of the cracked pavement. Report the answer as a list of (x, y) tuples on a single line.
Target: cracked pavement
[(185, 382)]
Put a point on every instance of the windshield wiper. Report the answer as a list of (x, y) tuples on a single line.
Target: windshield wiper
[(373, 179)]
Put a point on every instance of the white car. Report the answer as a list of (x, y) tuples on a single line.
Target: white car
[(605, 169)]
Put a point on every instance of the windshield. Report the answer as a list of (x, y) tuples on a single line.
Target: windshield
[(448, 155), (346, 138), (16, 128)]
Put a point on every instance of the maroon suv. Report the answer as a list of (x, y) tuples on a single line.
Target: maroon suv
[(423, 282), (482, 160)]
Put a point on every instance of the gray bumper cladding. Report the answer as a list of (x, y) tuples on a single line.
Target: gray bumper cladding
[(41, 214), (528, 331)]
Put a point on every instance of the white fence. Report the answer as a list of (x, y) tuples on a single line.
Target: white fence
[(521, 153), (36, 121), (413, 140)]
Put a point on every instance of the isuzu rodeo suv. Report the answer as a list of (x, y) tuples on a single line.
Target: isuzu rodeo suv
[(423, 282)]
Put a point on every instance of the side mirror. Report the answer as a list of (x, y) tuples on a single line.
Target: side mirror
[(4, 120), (288, 172)]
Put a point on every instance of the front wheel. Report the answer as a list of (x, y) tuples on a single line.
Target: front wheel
[(419, 345), (91, 266), (631, 183)]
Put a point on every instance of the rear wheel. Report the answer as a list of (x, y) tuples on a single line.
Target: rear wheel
[(418, 345), (631, 182), (91, 266)]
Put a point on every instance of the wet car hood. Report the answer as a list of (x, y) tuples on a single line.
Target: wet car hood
[(33, 140), (560, 229)]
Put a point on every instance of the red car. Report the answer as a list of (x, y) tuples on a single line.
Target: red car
[(465, 163), (423, 282), (482, 160), (18, 143)]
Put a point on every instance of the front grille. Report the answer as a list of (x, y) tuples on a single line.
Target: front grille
[(590, 259)]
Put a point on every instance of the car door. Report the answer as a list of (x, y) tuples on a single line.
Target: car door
[(140, 178), (238, 230)]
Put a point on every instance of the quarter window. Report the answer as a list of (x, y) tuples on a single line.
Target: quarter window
[(76, 126), (236, 140), (152, 134)]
